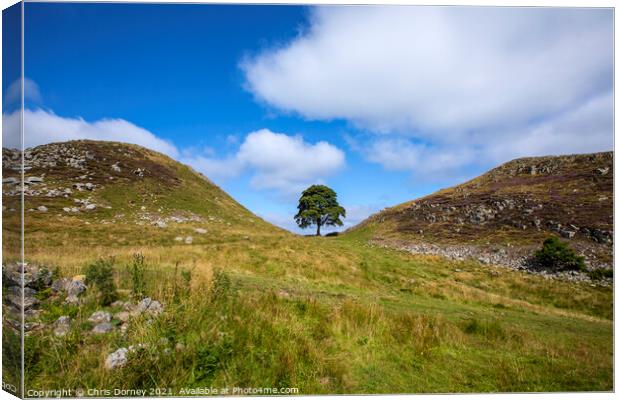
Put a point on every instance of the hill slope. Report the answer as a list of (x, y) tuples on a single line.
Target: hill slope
[(243, 304), (94, 193), (514, 206)]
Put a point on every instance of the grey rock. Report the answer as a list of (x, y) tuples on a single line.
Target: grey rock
[(148, 306), (60, 285), (42, 208), (14, 297), (73, 300), (602, 171), (104, 327), (75, 287), (33, 179), (122, 316), (62, 326), (99, 317), (116, 359)]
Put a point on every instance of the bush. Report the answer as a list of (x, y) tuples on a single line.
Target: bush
[(601, 273), (557, 256), (138, 282), (101, 275)]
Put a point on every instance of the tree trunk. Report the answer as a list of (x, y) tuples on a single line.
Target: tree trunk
[(318, 228)]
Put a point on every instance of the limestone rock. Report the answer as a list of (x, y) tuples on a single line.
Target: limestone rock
[(116, 359), (99, 317), (62, 326), (104, 327)]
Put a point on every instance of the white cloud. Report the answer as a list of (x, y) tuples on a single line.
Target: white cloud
[(445, 89), (13, 92), (437, 72), (583, 129), (42, 127), (277, 161)]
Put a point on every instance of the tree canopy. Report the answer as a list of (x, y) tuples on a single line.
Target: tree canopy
[(318, 205)]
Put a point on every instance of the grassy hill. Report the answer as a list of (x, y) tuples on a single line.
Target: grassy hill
[(249, 305), (514, 206)]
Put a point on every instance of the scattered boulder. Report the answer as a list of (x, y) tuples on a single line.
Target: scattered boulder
[(122, 316), (33, 276), (42, 208), (116, 359), (104, 327), (33, 179), (60, 285), (62, 326), (189, 240), (200, 230), (14, 298), (148, 306), (99, 317)]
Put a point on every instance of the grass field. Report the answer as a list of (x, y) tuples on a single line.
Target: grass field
[(250, 305), (333, 315)]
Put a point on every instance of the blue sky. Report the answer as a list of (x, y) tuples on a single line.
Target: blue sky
[(383, 104)]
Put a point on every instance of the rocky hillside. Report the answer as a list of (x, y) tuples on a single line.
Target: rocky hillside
[(93, 192), (510, 210)]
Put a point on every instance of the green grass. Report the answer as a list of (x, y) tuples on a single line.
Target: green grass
[(249, 305), (334, 315)]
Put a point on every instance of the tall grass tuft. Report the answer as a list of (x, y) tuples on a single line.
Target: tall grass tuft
[(101, 275)]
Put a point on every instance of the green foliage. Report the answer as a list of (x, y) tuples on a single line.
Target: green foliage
[(211, 358), (100, 274), (557, 256), (184, 289), (138, 281), (487, 329), (221, 285), (318, 205), (601, 273)]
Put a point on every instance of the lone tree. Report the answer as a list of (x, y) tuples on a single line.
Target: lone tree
[(318, 205)]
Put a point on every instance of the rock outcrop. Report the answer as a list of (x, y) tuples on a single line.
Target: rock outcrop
[(514, 206)]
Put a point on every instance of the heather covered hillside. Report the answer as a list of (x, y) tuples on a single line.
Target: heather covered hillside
[(503, 215)]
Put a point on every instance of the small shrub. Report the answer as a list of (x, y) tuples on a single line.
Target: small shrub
[(100, 275), (221, 286), (138, 281), (557, 256), (601, 273), (209, 359), (488, 329), (187, 277)]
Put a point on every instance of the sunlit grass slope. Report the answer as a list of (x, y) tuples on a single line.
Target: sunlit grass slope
[(261, 307)]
